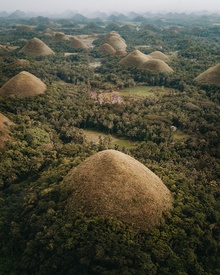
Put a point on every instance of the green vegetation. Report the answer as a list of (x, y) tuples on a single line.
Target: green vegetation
[(120, 143), (52, 135), (137, 91)]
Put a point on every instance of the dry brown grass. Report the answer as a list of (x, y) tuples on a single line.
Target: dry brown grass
[(156, 66), (113, 184), (210, 76), (5, 124), (107, 49), (59, 37), (25, 28), (22, 63), (116, 41), (159, 55), (48, 31), (114, 33), (134, 59), (121, 53), (35, 47), (22, 85), (77, 43)]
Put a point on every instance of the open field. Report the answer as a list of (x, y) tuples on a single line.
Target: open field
[(95, 136), (141, 91)]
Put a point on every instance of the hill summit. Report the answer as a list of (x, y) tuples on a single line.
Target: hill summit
[(35, 47), (134, 59), (156, 66), (113, 184), (22, 85), (210, 76)]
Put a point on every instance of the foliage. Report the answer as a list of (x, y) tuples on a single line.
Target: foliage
[(36, 236)]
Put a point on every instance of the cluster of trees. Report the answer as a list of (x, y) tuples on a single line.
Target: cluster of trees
[(36, 234)]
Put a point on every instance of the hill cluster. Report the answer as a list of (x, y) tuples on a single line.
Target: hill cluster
[(152, 62), (109, 144)]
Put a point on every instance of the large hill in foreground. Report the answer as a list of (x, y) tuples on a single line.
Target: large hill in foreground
[(113, 184)]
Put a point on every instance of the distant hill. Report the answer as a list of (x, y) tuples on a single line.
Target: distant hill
[(17, 15), (77, 43), (113, 184), (35, 47), (25, 29), (59, 37), (23, 85), (116, 41), (210, 76)]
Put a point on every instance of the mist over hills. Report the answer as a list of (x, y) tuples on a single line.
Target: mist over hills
[(111, 16)]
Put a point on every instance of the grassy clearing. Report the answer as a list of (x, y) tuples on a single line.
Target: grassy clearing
[(141, 91), (179, 135), (95, 136)]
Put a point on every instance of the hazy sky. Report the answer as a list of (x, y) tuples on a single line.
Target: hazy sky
[(110, 5)]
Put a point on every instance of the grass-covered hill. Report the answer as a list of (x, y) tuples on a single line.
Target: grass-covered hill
[(168, 124)]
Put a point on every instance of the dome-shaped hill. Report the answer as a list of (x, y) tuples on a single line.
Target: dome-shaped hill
[(210, 76), (35, 47), (134, 59), (93, 26), (24, 29), (22, 85), (107, 49), (22, 63), (127, 28), (114, 33), (113, 184), (76, 43), (59, 37), (112, 26), (48, 31), (116, 41), (159, 55), (156, 66), (120, 53), (5, 124)]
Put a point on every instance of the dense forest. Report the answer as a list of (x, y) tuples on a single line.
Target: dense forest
[(172, 127)]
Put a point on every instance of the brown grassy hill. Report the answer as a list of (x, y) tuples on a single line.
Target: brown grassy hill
[(156, 66), (22, 85), (113, 184), (134, 59), (77, 43), (35, 47), (114, 33), (59, 37), (5, 124), (24, 29), (116, 41), (121, 53), (48, 31), (107, 49), (210, 76), (159, 55), (22, 63)]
